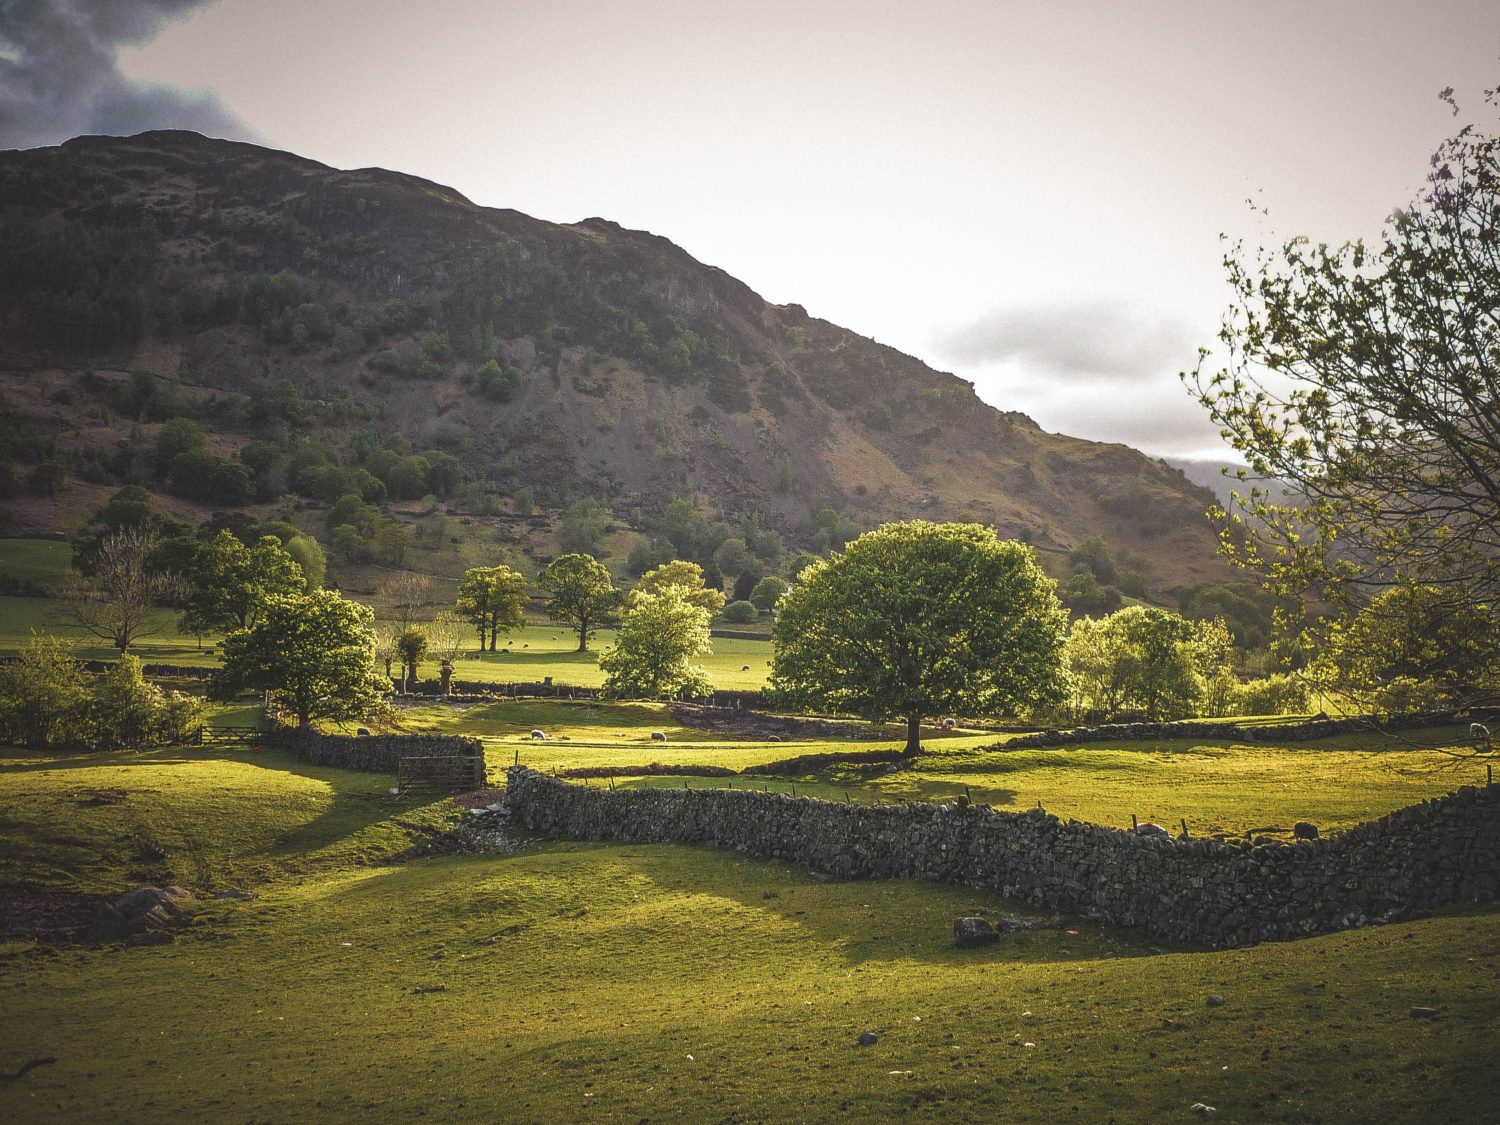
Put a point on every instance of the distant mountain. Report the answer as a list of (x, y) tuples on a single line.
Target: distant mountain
[(287, 304)]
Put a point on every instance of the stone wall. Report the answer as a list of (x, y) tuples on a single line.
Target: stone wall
[(375, 753), (1278, 732), (1200, 892)]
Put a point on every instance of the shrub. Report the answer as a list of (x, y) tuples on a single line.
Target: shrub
[(1274, 695), (740, 613)]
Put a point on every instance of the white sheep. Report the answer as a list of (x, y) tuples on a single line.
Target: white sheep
[(950, 724), (1480, 734), (538, 736)]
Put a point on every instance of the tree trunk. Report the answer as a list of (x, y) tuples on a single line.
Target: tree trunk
[(446, 672), (913, 736), (583, 636)]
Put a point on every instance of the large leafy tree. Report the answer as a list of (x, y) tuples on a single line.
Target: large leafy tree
[(917, 619), (661, 634), (227, 583), (492, 598), (581, 594), (685, 576), (1361, 388), (1150, 661), (314, 650)]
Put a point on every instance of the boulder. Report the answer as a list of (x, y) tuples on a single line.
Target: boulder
[(969, 933)]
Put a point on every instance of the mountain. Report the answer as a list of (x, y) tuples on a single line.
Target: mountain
[(306, 316)]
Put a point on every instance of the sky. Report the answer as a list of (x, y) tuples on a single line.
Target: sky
[(1031, 195)]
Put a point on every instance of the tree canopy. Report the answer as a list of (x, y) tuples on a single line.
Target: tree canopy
[(492, 598), (685, 576), (661, 633), (315, 650), (918, 619), (227, 582), (582, 594), (1360, 386)]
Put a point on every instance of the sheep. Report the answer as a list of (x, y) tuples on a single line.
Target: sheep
[(1480, 734), (1151, 828), (950, 724), (744, 667), (1305, 830), (774, 738), (658, 736), (538, 736)]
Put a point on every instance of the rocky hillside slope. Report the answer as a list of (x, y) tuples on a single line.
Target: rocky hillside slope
[(278, 300)]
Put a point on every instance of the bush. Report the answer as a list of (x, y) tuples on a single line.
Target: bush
[(1275, 695), (740, 613)]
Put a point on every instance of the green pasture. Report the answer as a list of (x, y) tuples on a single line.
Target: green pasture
[(36, 560), (539, 651), (631, 982)]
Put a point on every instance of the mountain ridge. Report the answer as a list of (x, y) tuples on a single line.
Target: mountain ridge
[(641, 375)]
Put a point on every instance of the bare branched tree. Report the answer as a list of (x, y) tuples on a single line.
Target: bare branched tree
[(117, 602)]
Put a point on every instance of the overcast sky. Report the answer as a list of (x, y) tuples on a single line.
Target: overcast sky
[(1028, 194)]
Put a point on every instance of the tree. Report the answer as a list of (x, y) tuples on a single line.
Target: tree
[(116, 603), (1412, 649), (685, 576), (582, 594), (741, 612), (582, 526), (408, 594), (768, 591), (1144, 659), (445, 644), (492, 598), (227, 583), (918, 619), (314, 650), (411, 646), (1361, 388), (124, 709), (42, 694), (661, 633), (308, 554)]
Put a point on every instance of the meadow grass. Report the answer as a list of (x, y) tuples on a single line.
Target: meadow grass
[(630, 982), (36, 560)]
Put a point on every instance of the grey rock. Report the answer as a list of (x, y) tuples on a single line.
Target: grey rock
[(868, 1039), (969, 933), (1203, 1110), (1215, 1000)]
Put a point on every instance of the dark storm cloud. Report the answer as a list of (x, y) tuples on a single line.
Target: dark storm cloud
[(59, 77), (1087, 339)]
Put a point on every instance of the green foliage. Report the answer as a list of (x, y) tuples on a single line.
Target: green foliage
[(733, 556), (662, 632), (1150, 662), (176, 437), (740, 612), (492, 598), (47, 700), (583, 526), (1082, 594), (1414, 648), (1356, 382), (499, 384), (581, 594), (411, 647), (768, 591), (919, 619), (306, 552), (1277, 694), (41, 694), (315, 650), (685, 576), (227, 583)]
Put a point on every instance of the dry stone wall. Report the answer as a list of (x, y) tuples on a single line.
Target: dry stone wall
[(1201, 892), (375, 753)]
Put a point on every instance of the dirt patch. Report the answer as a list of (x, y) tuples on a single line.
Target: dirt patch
[(43, 914)]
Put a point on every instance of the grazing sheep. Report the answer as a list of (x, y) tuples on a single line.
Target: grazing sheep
[(744, 667), (1305, 830), (1151, 828), (538, 736), (950, 724), (1480, 734), (658, 736), (774, 738)]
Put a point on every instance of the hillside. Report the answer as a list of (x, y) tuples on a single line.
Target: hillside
[(319, 323)]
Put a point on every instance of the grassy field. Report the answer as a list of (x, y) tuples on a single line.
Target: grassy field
[(675, 983)]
